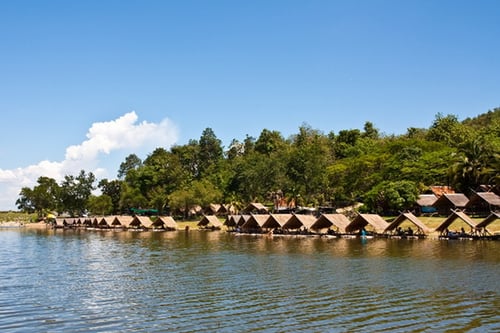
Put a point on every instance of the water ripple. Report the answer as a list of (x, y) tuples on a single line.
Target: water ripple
[(214, 282)]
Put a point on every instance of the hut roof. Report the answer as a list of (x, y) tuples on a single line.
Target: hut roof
[(490, 198), (410, 217), (298, 221), (487, 221), (256, 221), (123, 220), (362, 220), (141, 221), (276, 220), (106, 221), (61, 221), (453, 216), (328, 220), (210, 221), (242, 219), (426, 200), (231, 220), (458, 200), (256, 207), (167, 222)]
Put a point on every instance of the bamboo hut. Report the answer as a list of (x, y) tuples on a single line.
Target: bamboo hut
[(210, 222), (481, 227), (483, 203), (455, 214), (254, 223), (165, 223), (375, 221), (450, 201), (422, 229), (299, 221), (140, 222), (327, 221), (276, 221)]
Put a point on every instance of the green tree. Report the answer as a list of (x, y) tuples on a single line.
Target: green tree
[(112, 188), (75, 192), (391, 198), (211, 152), (100, 205), (42, 198), (131, 162)]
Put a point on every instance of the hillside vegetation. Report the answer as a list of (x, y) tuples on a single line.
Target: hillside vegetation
[(309, 168)]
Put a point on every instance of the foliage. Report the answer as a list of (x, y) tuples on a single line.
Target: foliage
[(308, 168)]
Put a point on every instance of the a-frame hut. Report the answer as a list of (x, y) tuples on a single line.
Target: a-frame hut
[(210, 222), (122, 221), (231, 221), (243, 218), (422, 229), (255, 208), (298, 221), (276, 221), (481, 226), (450, 201), (338, 222), (141, 222), (455, 214), (483, 203), (254, 223), (165, 223), (375, 221)]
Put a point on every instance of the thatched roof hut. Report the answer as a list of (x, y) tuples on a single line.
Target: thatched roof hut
[(276, 221), (488, 220), (243, 218), (255, 208), (362, 220), (298, 221), (105, 222), (483, 203), (122, 221), (337, 221), (454, 216), (210, 221), (450, 201), (410, 217), (165, 222), (255, 222), (139, 222), (231, 221)]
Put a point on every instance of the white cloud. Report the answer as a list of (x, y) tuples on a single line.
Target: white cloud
[(123, 135)]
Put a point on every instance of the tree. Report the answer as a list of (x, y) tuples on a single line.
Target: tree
[(474, 166), (131, 162), (100, 205), (391, 198), (42, 198), (113, 190), (75, 192), (199, 193), (211, 151)]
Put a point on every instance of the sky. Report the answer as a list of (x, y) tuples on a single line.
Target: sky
[(83, 84)]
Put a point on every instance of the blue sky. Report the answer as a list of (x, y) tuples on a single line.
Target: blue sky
[(82, 81)]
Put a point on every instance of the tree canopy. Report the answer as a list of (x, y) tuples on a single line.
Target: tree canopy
[(310, 168)]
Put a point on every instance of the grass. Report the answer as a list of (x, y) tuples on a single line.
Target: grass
[(10, 216)]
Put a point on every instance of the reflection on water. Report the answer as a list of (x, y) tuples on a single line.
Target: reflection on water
[(82, 281)]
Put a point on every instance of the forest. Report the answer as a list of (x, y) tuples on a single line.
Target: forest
[(385, 173)]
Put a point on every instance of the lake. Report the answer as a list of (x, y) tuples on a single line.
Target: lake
[(201, 281)]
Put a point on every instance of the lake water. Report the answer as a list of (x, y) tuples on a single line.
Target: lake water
[(90, 281)]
